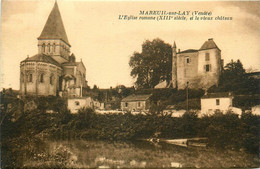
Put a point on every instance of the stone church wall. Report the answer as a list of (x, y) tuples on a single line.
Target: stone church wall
[(40, 82)]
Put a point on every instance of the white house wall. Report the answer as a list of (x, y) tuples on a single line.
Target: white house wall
[(74, 104), (208, 105)]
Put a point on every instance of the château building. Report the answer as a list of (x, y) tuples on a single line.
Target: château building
[(196, 68), (54, 70)]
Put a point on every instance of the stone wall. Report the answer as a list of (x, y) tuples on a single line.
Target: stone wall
[(211, 77), (187, 69), (134, 105)]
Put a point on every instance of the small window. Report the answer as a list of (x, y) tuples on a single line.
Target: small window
[(207, 58), (77, 103), (51, 79), (54, 47), (187, 60), (207, 68), (30, 78), (126, 104), (49, 47), (217, 102), (43, 47), (139, 104), (22, 77), (41, 78)]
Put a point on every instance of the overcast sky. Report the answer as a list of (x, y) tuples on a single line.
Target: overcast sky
[(106, 43)]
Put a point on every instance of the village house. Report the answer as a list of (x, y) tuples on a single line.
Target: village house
[(77, 103), (171, 110), (222, 102), (256, 110), (136, 103)]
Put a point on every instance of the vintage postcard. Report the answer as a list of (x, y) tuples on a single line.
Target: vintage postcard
[(130, 84)]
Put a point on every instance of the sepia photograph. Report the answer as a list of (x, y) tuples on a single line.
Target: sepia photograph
[(129, 84)]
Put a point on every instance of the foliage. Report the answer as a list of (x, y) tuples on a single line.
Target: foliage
[(222, 130), (152, 65), (234, 79), (246, 101)]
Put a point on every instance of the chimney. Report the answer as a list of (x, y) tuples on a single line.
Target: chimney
[(179, 50), (210, 39)]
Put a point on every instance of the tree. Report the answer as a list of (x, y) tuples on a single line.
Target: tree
[(234, 79), (153, 64)]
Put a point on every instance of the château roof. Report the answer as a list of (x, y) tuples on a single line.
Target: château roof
[(42, 58), (136, 98), (54, 28), (209, 44), (188, 51), (174, 45)]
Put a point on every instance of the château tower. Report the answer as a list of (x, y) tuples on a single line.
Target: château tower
[(199, 68), (174, 66)]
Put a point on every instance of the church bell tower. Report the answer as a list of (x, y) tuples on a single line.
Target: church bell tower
[(53, 40)]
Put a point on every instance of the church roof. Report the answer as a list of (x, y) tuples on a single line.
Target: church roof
[(70, 63), (42, 58), (73, 64), (54, 28), (209, 44)]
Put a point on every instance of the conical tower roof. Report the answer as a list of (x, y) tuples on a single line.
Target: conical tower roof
[(54, 28), (174, 45)]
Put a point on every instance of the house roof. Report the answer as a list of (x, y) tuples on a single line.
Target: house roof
[(161, 85), (42, 58), (170, 107), (217, 95), (54, 28), (209, 44), (188, 51), (253, 74), (134, 97)]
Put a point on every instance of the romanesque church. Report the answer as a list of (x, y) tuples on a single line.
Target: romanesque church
[(54, 70)]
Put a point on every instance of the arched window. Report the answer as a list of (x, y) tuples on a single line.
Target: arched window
[(42, 78), (49, 47), (51, 79), (30, 78), (54, 47), (22, 77), (43, 47)]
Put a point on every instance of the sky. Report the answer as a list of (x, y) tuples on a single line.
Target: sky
[(105, 43)]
